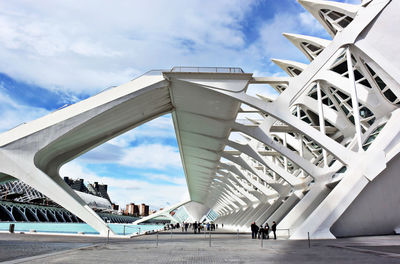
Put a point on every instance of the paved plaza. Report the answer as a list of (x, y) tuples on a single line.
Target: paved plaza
[(190, 248)]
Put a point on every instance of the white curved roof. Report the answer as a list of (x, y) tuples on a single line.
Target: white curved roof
[(95, 202)]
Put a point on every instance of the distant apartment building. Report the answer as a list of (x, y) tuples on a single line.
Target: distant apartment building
[(136, 210), (144, 210), (132, 209)]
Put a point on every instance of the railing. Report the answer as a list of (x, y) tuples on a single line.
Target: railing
[(125, 226), (207, 69), (151, 73)]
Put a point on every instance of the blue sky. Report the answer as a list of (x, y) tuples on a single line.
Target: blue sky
[(54, 53)]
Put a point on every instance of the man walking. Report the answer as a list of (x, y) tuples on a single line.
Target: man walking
[(195, 227), (273, 228), (254, 230), (266, 228)]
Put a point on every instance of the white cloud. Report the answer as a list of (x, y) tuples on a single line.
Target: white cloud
[(13, 113), (310, 24), (85, 49), (271, 39), (354, 2), (155, 156), (167, 178), (159, 128), (263, 90), (272, 44)]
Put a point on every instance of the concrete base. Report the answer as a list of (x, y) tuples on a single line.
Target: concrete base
[(375, 210)]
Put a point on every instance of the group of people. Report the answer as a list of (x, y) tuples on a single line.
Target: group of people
[(262, 231), (198, 227)]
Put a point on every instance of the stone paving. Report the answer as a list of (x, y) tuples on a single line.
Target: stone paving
[(190, 248)]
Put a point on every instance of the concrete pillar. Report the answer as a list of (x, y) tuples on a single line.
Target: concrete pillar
[(354, 99), (321, 121)]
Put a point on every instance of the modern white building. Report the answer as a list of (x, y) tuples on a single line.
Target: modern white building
[(320, 159)]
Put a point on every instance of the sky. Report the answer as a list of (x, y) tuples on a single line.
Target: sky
[(54, 53)]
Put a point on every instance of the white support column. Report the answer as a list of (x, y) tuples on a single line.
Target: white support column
[(300, 136), (354, 99), (321, 121), (284, 157), (273, 172)]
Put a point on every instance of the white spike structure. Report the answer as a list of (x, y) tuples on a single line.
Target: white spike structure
[(310, 46), (293, 68), (333, 16), (309, 161)]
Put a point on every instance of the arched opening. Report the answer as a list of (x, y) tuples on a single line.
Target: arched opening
[(164, 143), (5, 214), (74, 219), (18, 215), (30, 215), (42, 216), (60, 217), (51, 217), (67, 218)]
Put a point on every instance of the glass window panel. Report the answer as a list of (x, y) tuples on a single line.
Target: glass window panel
[(345, 22), (390, 95), (366, 83), (335, 15), (341, 68), (345, 110), (380, 83)]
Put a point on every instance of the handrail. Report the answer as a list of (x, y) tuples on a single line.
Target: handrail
[(125, 226), (207, 69)]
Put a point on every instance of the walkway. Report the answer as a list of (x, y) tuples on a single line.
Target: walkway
[(190, 248)]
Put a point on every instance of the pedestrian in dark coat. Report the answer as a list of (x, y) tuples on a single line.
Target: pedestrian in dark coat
[(195, 227), (261, 232), (254, 230), (266, 228), (273, 228)]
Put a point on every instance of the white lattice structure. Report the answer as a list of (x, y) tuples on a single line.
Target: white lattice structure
[(321, 158)]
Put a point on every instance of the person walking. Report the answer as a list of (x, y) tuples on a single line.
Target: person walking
[(254, 230), (273, 228), (195, 227), (261, 232), (266, 228)]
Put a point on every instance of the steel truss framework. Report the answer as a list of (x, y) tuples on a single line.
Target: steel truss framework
[(319, 159)]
